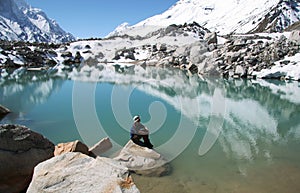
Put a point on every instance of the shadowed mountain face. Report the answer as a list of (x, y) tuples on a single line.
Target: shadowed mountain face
[(19, 21)]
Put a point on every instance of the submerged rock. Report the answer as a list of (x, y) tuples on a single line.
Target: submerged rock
[(3, 111), (20, 151), (76, 172), (142, 160)]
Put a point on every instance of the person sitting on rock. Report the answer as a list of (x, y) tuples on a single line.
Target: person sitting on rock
[(138, 131)]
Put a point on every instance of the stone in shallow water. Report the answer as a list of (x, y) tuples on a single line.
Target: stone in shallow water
[(143, 161), (76, 172), (3, 111)]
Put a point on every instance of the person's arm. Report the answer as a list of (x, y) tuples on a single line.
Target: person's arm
[(143, 130), (134, 129)]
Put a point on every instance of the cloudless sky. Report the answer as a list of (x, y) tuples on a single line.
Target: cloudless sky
[(96, 18)]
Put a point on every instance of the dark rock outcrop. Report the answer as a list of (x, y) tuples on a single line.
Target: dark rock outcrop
[(20, 151)]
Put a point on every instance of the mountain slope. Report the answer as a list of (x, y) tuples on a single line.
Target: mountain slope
[(230, 16), (19, 21)]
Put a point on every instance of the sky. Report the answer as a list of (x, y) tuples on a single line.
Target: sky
[(96, 18)]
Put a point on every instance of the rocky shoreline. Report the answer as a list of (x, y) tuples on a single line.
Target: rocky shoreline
[(189, 47), (31, 163)]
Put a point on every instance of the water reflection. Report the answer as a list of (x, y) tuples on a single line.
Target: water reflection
[(23, 92), (258, 113)]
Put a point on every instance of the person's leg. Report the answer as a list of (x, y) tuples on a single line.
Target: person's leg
[(147, 141), (136, 140)]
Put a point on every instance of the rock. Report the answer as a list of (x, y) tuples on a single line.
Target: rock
[(66, 54), (130, 55), (171, 28), (212, 47), (230, 73), (295, 37), (197, 52), (74, 146), (50, 62), (193, 68), (68, 61), (87, 46), (211, 38), (76, 172), (240, 42), (163, 48), (20, 151), (142, 160), (101, 147), (239, 70), (3, 111), (78, 57)]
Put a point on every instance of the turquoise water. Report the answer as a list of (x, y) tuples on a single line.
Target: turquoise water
[(219, 135)]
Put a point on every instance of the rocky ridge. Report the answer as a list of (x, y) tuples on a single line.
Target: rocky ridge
[(189, 47), (241, 56)]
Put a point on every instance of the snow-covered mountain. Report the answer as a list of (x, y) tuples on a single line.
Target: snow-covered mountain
[(228, 16), (19, 21)]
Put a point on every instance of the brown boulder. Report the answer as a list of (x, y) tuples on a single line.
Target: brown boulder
[(74, 146)]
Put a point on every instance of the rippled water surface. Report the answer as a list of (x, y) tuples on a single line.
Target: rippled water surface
[(219, 135)]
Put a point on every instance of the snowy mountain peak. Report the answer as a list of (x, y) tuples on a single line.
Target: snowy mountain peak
[(19, 21), (119, 29), (230, 16)]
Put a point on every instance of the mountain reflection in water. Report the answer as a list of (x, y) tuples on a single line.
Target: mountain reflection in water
[(260, 131)]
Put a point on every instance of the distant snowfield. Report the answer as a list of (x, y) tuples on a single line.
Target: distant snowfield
[(223, 17)]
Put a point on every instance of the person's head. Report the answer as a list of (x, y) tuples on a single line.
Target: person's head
[(136, 118)]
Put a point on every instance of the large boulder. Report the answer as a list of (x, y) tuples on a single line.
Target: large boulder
[(20, 151), (142, 160), (197, 52), (211, 38), (76, 172)]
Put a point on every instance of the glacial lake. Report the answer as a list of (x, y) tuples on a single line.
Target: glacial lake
[(219, 135)]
